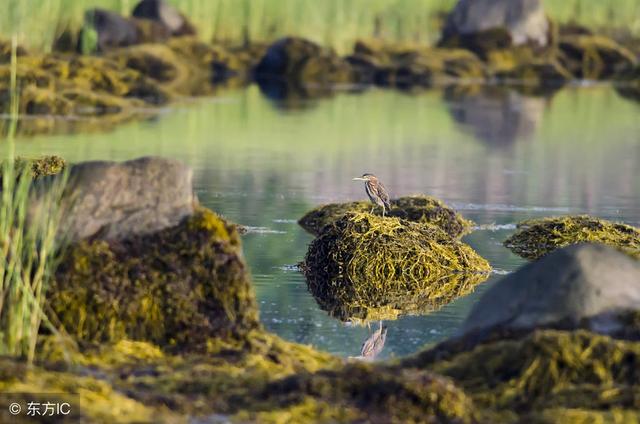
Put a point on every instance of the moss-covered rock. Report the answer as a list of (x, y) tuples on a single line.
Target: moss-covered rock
[(406, 66), (537, 237), (301, 60), (367, 267), (594, 57), (176, 287), (362, 393), (544, 376), (418, 208)]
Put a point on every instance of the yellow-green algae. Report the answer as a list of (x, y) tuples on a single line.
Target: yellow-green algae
[(537, 237), (368, 267), (42, 166), (578, 375), (176, 287), (418, 208)]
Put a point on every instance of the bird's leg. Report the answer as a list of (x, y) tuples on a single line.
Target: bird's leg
[(383, 210), (371, 212)]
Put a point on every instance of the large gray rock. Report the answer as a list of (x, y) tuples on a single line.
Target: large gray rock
[(524, 20), (110, 200), (566, 286)]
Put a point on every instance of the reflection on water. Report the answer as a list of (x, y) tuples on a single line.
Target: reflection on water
[(496, 116), (578, 152)]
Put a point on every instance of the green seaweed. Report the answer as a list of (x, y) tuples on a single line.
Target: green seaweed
[(537, 237), (365, 266), (418, 208)]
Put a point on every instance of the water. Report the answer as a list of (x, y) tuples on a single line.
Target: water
[(495, 155)]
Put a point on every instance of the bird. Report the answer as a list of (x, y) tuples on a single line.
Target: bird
[(374, 344), (376, 191)]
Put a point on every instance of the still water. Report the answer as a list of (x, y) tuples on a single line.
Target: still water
[(495, 155)]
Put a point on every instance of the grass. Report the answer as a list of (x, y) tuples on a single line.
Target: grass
[(28, 246), (335, 22)]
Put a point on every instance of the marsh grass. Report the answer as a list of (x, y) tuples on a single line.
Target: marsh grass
[(334, 22), (29, 245)]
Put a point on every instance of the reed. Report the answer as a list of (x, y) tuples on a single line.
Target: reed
[(29, 247), (334, 22)]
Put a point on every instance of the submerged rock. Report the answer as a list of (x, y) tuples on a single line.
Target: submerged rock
[(537, 237), (112, 201), (522, 21), (418, 208), (164, 14), (566, 286), (297, 59), (369, 267)]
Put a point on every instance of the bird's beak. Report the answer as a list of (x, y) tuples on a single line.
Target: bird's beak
[(359, 179)]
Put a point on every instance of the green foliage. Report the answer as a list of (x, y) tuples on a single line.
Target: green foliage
[(537, 237)]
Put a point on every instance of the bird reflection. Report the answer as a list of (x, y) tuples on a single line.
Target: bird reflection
[(373, 345)]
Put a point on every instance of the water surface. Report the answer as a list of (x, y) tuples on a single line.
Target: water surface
[(495, 155)]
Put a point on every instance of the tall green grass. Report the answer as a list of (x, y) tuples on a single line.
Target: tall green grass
[(29, 247), (336, 22)]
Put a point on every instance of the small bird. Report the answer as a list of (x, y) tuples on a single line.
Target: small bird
[(374, 344), (376, 191)]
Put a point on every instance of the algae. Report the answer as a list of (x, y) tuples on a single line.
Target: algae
[(578, 373), (418, 208), (365, 266), (537, 237), (176, 287)]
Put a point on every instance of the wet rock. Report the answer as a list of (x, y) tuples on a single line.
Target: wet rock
[(595, 57), (112, 29), (502, 22), (364, 266), (566, 286), (165, 14), (537, 237), (301, 60), (113, 201), (418, 208)]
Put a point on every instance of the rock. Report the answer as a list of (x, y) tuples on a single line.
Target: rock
[(418, 208), (165, 14), (524, 21), (301, 60), (177, 287), (113, 201), (112, 29), (537, 237), (368, 266), (595, 57), (566, 286)]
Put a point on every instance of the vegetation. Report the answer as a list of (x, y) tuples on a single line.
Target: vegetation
[(29, 246), (537, 237), (332, 22)]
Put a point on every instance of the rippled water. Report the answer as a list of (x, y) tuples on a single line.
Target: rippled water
[(495, 155)]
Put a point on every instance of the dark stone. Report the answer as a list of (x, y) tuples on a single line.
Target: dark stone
[(166, 15), (113, 30)]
